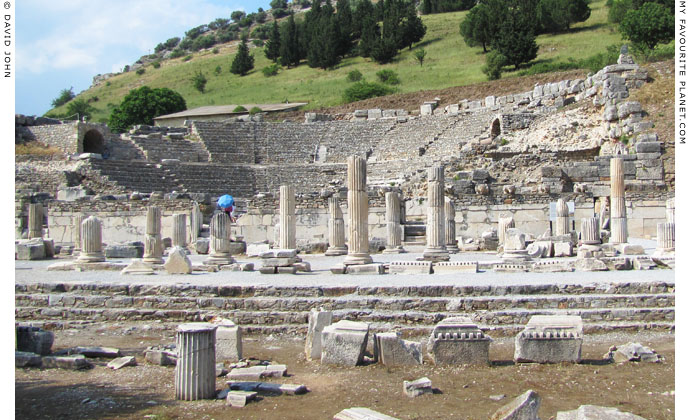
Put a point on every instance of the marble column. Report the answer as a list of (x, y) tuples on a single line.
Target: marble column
[(76, 232), (358, 212), (435, 219), (393, 226), (619, 222), (504, 223), (671, 210), (219, 252), (336, 229), (589, 228), (196, 220), (195, 371), (604, 214), (666, 237), (35, 221), (287, 239), (451, 241), (179, 233), (153, 242), (562, 218), (91, 241)]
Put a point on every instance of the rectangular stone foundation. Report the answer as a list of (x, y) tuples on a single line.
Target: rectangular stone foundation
[(454, 267), (550, 339), (410, 267)]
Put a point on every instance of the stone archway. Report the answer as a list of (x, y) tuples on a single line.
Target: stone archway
[(93, 142), (495, 128)]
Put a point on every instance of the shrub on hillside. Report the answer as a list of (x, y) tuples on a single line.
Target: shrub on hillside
[(354, 76), (271, 70), (495, 61), (199, 81), (388, 77), (156, 64), (65, 96), (187, 58), (141, 71), (365, 90), (176, 53)]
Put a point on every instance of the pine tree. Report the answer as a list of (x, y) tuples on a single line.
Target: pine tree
[(516, 39), (478, 27), (243, 61), (289, 43), (272, 49), (371, 32), (344, 25), (413, 29)]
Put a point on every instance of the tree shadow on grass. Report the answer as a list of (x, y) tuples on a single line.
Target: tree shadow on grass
[(427, 42)]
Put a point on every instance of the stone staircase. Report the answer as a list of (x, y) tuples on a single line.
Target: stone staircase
[(212, 178), (173, 146), (415, 233), (498, 309), (134, 175)]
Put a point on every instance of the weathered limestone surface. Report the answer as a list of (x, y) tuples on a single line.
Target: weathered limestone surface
[(178, 262), (391, 350), (220, 249), (524, 407), (435, 217), (458, 341), (451, 241), (393, 226), (504, 223), (318, 320), (550, 339), (594, 412), (514, 247), (665, 240), (34, 340), (336, 229), (590, 231), (453, 267), (91, 242), (361, 413), (358, 212), (138, 267), (196, 222), (78, 219), (195, 372), (66, 362), (562, 218), (30, 249), (179, 233), (153, 242), (619, 221), (671, 210), (35, 221), (344, 343), (419, 387), (287, 239), (410, 267), (228, 341)]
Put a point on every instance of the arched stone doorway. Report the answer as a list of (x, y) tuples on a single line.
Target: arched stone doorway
[(93, 142), (495, 128)]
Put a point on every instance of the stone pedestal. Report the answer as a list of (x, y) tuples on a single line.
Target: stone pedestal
[(394, 228), (196, 221), (91, 241), (153, 242), (451, 241), (336, 229), (590, 246), (358, 212), (514, 247), (665, 240), (195, 372), (458, 341), (76, 233), (435, 217), (562, 218), (220, 249), (671, 210), (619, 221), (35, 221), (504, 223), (179, 233), (344, 343), (550, 339), (287, 238)]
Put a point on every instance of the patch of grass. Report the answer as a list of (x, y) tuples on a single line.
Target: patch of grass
[(35, 148)]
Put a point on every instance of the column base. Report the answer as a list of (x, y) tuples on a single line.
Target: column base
[(395, 250), (515, 255), (153, 260), (336, 250), (358, 259), (452, 249), (435, 254), (91, 257), (219, 259)]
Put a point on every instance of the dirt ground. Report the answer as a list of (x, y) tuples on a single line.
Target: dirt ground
[(147, 391)]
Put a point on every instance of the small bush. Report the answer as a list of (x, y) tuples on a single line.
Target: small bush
[(504, 142), (187, 58), (199, 82), (215, 50), (354, 76), (271, 70), (239, 108), (494, 65), (258, 42), (254, 110), (107, 83), (177, 53), (125, 69), (420, 55), (388, 77), (156, 64), (141, 71), (364, 90), (218, 70)]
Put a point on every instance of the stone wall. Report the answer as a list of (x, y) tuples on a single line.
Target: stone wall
[(61, 136)]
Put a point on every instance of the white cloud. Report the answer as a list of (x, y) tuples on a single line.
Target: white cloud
[(93, 35)]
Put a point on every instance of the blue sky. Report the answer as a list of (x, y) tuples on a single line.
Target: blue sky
[(64, 43)]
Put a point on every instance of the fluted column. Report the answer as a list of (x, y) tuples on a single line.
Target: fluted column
[(358, 212), (504, 223), (336, 229), (666, 236), (219, 253), (35, 221), (153, 242), (195, 371), (393, 226), (287, 239), (589, 227), (451, 241), (179, 233), (562, 218), (619, 222), (76, 233), (604, 214), (196, 220), (91, 241), (435, 219), (671, 210)]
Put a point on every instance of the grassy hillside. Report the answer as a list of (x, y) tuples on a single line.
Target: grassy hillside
[(449, 62)]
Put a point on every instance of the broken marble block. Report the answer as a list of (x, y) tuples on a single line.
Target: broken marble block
[(66, 362), (161, 355), (391, 350), (138, 267), (632, 352), (267, 387), (26, 359), (416, 388), (524, 407), (595, 412), (344, 343), (34, 340), (121, 362), (458, 341), (178, 262), (318, 320), (106, 352), (239, 398), (361, 413), (255, 373), (228, 341), (550, 339)]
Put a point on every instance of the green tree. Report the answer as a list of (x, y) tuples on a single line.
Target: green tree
[(142, 105), (199, 81), (413, 29), (494, 65), (272, 49), (289, 43), (65, 96), (237, 15), (278, 4), (322, 48), (650, 25), (79, 107), (479, 26), (384, 50), (516, 38), (243, 61), (420, 55), (557, 15)]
